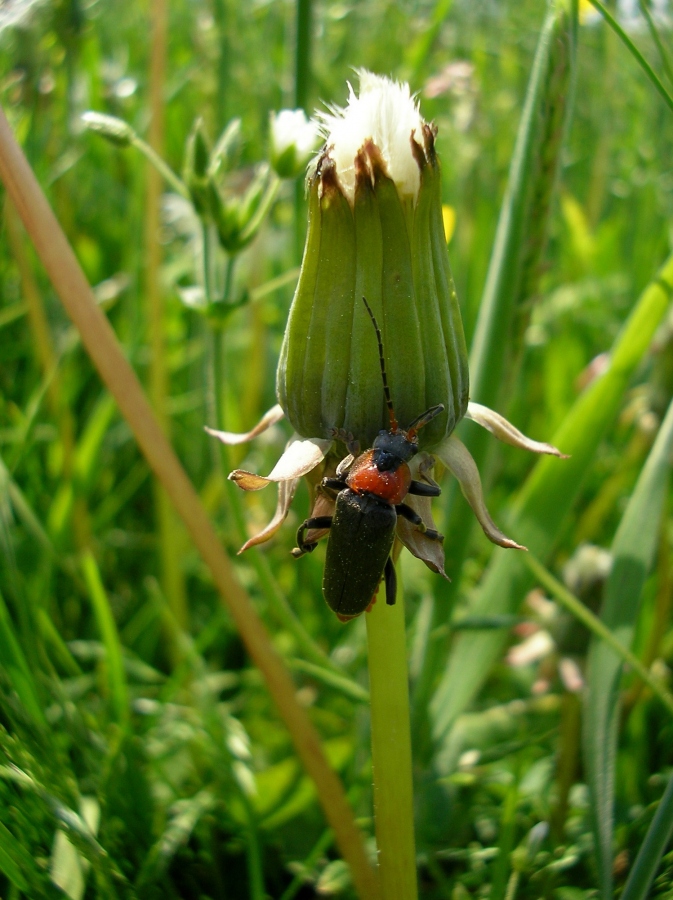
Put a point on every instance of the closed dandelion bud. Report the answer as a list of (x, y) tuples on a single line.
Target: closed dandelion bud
[(375, 230)]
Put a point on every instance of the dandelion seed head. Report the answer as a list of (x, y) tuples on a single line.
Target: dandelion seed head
[(385, 112)]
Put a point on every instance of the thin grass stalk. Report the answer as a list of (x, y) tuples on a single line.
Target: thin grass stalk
[(633, 550), (218, 380), (16, 666), (391, 750), (113, 664), (420, 50), (635, 52), (656, 37), (169, 551), (302, 60), (302, 81), (221, 15), (100, 341), (37, 317)]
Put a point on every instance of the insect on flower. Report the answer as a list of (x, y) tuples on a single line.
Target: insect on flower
[(375, 230), (371, 488)]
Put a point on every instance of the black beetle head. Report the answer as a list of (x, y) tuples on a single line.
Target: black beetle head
[(391, 449)]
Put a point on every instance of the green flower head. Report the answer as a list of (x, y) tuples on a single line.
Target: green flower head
[(375, 231)]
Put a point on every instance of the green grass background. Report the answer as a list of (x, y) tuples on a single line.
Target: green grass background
[(140, 755)]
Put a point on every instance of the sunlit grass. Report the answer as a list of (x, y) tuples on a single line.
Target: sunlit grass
[(141, 754)]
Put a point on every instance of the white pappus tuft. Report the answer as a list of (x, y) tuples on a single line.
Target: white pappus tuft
[(385, 112), (291, 128)]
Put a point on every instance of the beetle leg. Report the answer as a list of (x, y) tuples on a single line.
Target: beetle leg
[(426, 465), (344, 465), (303, 547), (353, 446), (391, 582), (423, 489), (403, 510), (334, 484)]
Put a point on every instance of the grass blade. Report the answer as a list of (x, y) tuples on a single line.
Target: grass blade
[(656, 840), (14, 859), (633, 550), (544, 502), (15, 665), (656, 37), (635, 52), (110, 636)]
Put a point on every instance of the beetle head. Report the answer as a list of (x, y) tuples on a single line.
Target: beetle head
[(392, 448)]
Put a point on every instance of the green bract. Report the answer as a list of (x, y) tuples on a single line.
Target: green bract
[(390, 247)]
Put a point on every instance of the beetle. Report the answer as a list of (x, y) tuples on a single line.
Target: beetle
[(370, 491)]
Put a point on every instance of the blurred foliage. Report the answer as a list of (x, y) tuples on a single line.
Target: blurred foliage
[(140, 755)]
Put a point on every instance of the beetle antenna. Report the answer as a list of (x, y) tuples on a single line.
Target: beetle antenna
[(423, 419), (386, 390)]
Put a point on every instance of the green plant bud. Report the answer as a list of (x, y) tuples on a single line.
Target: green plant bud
[(225, 150), (293, 138), (195, 173), (375, 230), (115, 130), (239, 218)]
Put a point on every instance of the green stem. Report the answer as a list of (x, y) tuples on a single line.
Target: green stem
[(323, 844), (646, 67), (253, 852), (391, 750), (220, 10), (657, 39), (162, 167), (302, 70), (594, 624), (302, 79)]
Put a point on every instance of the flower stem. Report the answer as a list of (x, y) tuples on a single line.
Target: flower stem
[(162, 167), (391, 750)]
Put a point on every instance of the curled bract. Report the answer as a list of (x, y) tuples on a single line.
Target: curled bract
[(303, 456)]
